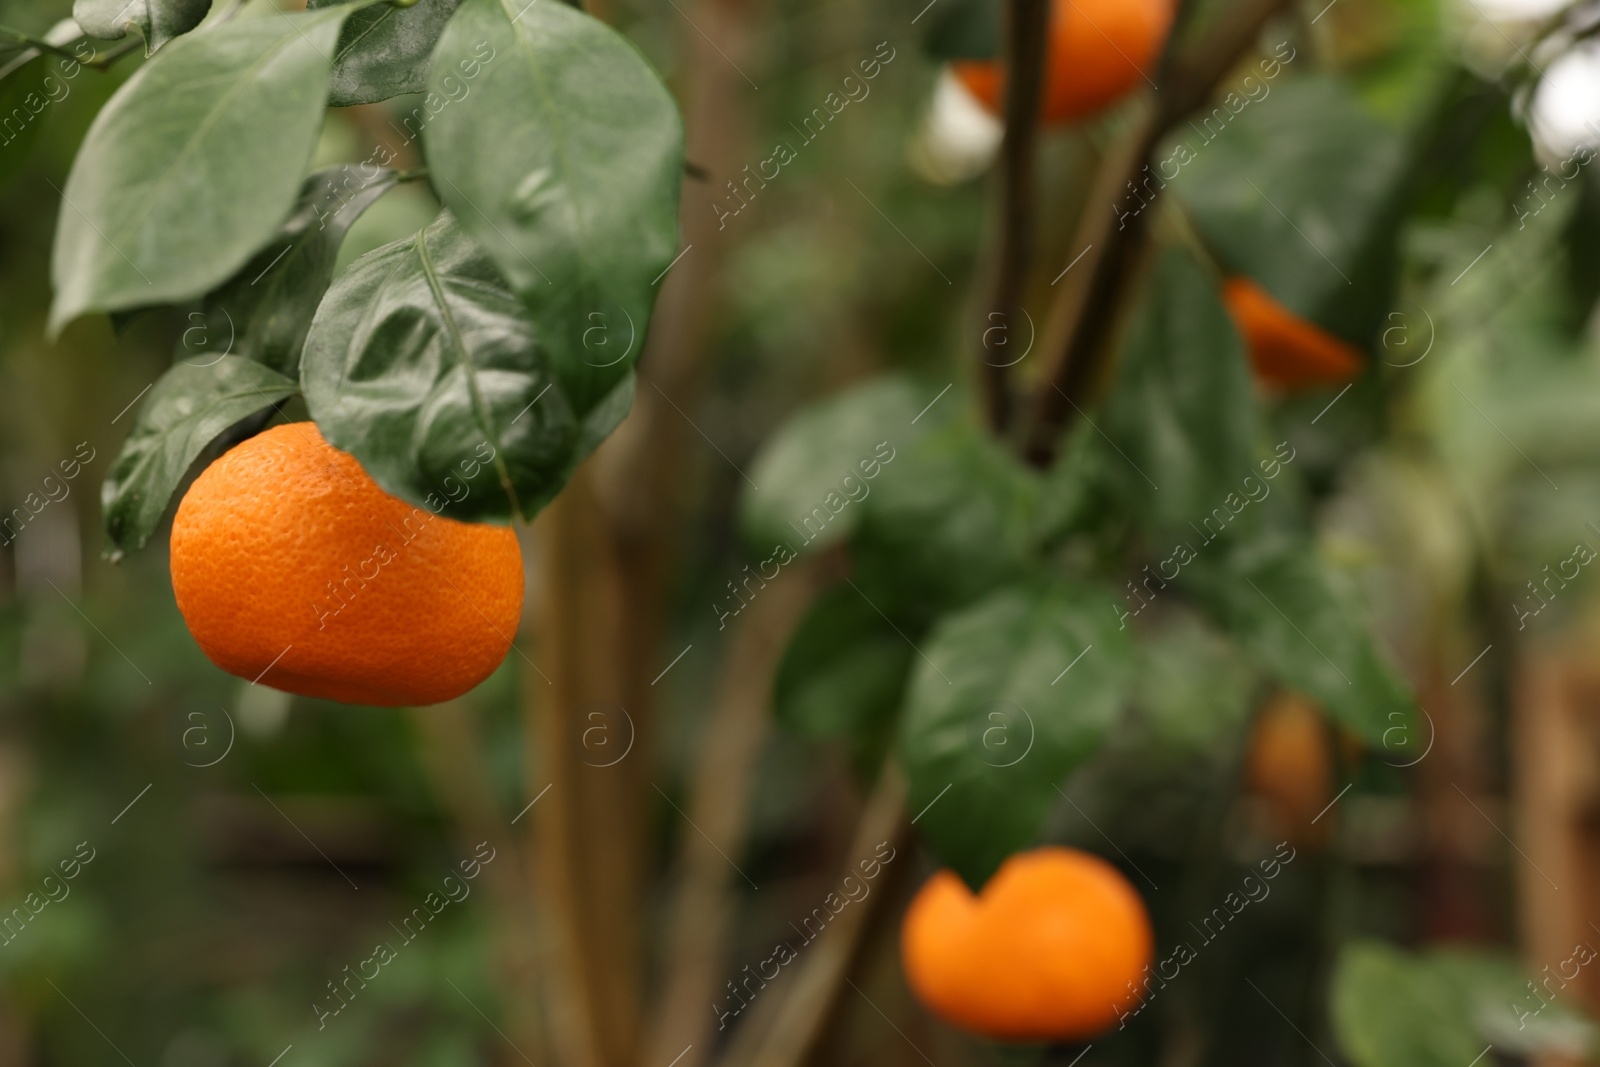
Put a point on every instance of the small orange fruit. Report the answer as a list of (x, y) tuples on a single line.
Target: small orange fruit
[(1098, 51), (1048, 951), (293, 569), (1286, 349), (1287, 766)]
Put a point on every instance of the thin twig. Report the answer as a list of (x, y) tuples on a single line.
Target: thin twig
[(35, 44), (1027, 29), (1077, 333), (38, 46)]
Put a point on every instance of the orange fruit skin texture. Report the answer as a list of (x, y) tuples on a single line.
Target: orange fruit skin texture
[(286, 543), (1099, 51), (1045, 952), (1286, 350)]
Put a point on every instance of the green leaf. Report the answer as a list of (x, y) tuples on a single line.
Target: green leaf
[(843, 671), (1383, 1016), (1302, 192), (1006, 698), (951, 518), (23, 100), (963, 29), (384, 51), (193, 164), (264, 311), (813, 469), (1182, 417), (157, 21), (1194, 687), (563, 161), (1398, 1009), (187, 409), (1272, 595), (425, 366)]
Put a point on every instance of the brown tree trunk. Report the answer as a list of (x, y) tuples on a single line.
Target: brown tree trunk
[(603, 552), (588, 839)]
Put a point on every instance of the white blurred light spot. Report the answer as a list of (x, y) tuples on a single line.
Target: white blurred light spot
[(1566, 107), (958, 138), (1515, 10)]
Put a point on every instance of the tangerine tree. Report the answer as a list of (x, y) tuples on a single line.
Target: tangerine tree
[(1066, 553)]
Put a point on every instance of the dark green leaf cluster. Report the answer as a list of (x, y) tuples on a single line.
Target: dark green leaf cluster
[(980, 627), (500, 340)]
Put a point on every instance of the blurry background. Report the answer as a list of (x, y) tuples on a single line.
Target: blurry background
[(248, 847)]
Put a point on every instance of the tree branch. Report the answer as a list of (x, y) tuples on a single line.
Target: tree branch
[(718, 804), (1085, 312), (798, 1022), (1027, 30)]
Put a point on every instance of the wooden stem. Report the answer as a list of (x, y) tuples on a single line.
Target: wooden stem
[(1082, 318), (1027, 31), (586, 823), (794, 1029), (718, 805)]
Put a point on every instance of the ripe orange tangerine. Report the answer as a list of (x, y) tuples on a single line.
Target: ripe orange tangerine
[(1287, 350), (293, 569), (1099, 51), (1289, 767), (1048, 951)]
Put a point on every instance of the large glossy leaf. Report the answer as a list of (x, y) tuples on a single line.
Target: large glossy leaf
[(264, 311), (1301, 191), (843, 671), (1181, 420), (384, 51), (1442, 1008), (187, 409), (814, 471), (951, 517), (193, 164), (157, 21), (563, 161), (1006, 698), (423, 364), (1272, 595)]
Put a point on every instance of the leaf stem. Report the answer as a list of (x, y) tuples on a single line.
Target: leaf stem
[(104, 62), (35, 44), (413, 175)]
